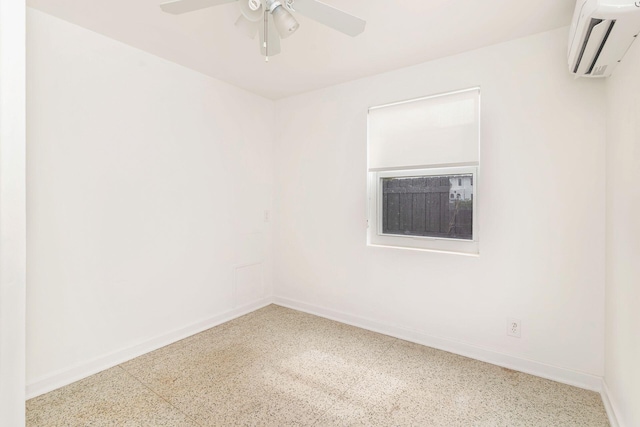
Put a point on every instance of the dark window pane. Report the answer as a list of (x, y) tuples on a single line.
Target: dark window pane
[(428, 206)]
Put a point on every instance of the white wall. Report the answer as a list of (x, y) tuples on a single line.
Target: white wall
[(622, 344), (146, 184), (541, 207), (12, 212)]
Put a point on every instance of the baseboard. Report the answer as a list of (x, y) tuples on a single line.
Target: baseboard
[(555, 373), (610, 406), (85, 369), (563, 375)]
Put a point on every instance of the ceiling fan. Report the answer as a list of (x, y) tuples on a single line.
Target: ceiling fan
[(259, 16)]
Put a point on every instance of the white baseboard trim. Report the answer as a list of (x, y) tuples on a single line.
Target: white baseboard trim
[(610, 405), (555, 373), (82, 370)]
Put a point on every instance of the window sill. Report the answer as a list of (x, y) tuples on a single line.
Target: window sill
[(438, 251)]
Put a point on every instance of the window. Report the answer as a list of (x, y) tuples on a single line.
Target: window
[(423, 161), (423, 205)]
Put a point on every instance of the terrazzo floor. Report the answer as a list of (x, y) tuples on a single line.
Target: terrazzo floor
[(281, 367)]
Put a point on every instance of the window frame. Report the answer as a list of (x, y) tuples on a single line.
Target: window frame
[(443, 244)]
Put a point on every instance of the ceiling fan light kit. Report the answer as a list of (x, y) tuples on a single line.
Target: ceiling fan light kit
[(285, 23), (257, 16)]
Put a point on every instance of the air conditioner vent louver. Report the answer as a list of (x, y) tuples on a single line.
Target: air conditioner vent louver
[(595, 40), (592, 24), (602, 44)]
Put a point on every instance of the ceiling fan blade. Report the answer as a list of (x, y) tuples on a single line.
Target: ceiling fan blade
[(177, 7), (330, 16), (249, 28), (274, 38)]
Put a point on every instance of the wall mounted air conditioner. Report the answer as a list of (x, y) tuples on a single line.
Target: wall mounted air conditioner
[(601, 33)]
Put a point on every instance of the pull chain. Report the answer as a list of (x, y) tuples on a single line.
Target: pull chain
[(266, 35)]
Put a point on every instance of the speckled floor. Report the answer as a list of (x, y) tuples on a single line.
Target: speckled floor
[(280, 367)]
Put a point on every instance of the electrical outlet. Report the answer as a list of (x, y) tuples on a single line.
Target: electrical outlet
[(267, 216), (514, 327)]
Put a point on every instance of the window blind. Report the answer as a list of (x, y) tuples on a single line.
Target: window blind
[(432, 131)]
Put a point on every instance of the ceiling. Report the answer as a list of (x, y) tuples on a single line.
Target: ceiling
[(398, 34)]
